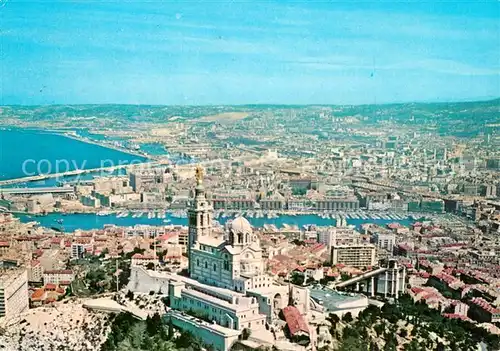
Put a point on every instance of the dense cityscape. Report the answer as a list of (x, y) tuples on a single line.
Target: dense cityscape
[(250, 175), (238, 228)]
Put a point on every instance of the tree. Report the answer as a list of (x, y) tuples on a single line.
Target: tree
[(245, 333), (150, 266), (134, 251), (130, 295), (379, 329), (412, 346), (333, 318), (299, 191), (344, 277), (153, 324), (297, 278), (347, 317)]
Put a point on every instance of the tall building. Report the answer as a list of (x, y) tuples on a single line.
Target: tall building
[(337, 236), (359, 256), (77, 250), (384, 240), (14, 298)]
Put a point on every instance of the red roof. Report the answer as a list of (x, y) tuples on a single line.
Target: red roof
[(317, 247), (485, 305), (416, 290), (138, 256), (294, 320), (50, 286), (168, 236), (4, 244), (394, 225), (38, 294)]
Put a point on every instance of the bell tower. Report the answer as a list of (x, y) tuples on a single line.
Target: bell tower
[(200, 215)]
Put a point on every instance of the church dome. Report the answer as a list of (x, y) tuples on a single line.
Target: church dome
[(240, 225)]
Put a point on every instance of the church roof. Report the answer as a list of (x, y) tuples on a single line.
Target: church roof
[(240, 225), (210, 241)]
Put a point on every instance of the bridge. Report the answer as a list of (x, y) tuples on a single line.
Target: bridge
[(35, 191), (389, 281)]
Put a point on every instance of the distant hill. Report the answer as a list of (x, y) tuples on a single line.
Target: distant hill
[(454, 118)]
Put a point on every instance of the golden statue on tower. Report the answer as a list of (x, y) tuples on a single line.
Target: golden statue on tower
[(199, 175)]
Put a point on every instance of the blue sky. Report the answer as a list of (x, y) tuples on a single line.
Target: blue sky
[(222, 52)]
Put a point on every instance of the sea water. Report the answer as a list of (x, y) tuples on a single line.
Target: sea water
[(31, 152)]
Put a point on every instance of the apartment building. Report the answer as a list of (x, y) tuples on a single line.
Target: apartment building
[(58, 277), (35, 271), (77, 250), (359, 256), (14, 298)]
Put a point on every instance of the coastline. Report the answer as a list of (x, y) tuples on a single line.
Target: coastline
[(106, 145), (9, 181)]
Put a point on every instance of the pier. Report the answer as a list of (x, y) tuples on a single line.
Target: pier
[(35, 191)]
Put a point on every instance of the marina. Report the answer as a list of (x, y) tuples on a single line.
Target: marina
[(271, 219)]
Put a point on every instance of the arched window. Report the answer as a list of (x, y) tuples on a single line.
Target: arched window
[(206, 264), (240, 238), (247, 238), (226, 265), (215, 267), (197, 262)]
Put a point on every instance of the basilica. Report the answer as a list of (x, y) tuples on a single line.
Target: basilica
[(232, 260)]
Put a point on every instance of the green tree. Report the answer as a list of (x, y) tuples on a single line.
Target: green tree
[(245, 333), (297, 278), (347, 317)]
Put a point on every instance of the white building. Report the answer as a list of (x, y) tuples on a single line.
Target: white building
[(58, 276), (145, 231), (331, 301), (385, 240), (77, 250), (338, 236), (14, 298), (35, 271), (143, 260)]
